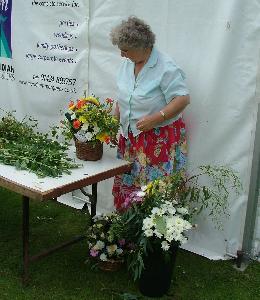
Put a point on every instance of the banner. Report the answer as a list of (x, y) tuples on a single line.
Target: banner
[(5, 28), (43, 56)]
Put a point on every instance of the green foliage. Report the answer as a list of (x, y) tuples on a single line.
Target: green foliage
[(22, 146), (214, 194)]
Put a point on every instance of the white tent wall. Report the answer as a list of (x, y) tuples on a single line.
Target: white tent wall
[(217, 45)]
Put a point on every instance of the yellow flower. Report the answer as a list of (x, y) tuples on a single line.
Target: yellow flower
[(149, 188), (83, 119), (102, 137), (111, 249), (93, 100)]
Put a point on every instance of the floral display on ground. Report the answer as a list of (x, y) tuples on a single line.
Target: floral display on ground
[(102, 244), (89, 120), (22, 146)]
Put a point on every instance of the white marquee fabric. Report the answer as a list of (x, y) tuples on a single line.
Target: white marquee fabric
[(216, 43)]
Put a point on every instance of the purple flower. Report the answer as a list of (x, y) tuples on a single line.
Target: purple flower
[(93, 252), (121, 242)]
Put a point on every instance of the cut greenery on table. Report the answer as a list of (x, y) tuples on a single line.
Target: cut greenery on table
[(23, 146)]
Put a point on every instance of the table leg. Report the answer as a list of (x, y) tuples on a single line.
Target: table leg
[(94, 200), (25, 233)]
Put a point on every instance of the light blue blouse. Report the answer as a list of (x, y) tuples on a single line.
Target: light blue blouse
[(159, 81)]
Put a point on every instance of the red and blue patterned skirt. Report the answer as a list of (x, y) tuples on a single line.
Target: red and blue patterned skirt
[(155, 153)]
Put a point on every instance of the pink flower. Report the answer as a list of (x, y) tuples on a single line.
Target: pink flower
[(93, 252), (132, 198), (108, 100)]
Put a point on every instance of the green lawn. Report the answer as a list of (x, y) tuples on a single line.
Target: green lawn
[(64, 275)]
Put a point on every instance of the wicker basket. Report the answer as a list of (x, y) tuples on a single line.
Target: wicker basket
[(111, 265), (89, 151)]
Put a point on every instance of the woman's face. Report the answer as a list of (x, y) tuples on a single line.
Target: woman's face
[(135, 55)]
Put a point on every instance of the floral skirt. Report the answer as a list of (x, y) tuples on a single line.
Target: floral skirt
[(154, 153)]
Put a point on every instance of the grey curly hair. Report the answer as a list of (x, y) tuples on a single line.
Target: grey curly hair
[(132, 33)]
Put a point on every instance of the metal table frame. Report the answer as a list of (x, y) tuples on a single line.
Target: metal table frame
[(29, 193)]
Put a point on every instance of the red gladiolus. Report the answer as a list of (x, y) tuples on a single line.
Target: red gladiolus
[(76, 124), (80, 103)]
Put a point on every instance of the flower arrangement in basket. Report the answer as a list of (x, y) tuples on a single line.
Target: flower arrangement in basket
[(90, 123), (106, 251)]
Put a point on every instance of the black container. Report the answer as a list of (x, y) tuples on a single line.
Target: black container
[(155, 279)]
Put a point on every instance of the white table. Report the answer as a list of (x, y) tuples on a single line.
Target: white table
[(32, 187)]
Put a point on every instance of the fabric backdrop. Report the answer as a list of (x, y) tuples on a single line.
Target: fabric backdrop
[(215, 42)]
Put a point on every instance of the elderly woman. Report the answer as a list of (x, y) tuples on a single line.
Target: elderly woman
[(151, 97)]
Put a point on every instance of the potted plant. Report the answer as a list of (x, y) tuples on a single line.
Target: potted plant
[(106, 251), (157, 218), (90, 123)]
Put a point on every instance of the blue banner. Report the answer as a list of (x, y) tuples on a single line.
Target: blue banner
[(5, 28)]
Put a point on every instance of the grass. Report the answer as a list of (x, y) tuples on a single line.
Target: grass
[(64, 275)]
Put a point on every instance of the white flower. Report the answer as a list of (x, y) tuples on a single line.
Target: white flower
[(171, 210), (147, 223), (119, 251), (165, 246), (95, 130), (144, 188), (156, 211), (99, 245), (103, 257), (73, 116), (148, 232), (182, 210), (85, 127), (81, 136), (157, 233), (89, 136), (140, 194)]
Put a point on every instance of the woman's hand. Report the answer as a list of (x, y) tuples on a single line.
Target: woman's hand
[(147, 123), (172, 109)]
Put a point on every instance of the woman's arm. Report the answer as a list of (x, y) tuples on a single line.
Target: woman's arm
[(172, 109), (117, 111)]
